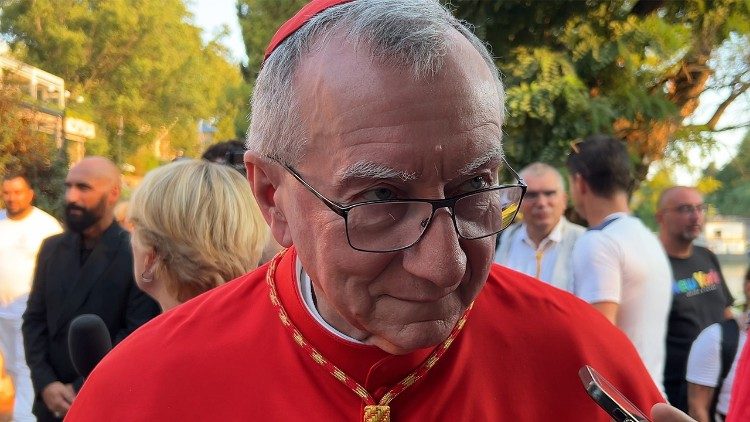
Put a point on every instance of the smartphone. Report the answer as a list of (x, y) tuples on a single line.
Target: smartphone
[(608, 398)]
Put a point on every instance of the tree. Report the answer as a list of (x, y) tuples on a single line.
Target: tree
[(259, 20), (733, 197), (140, 64), (34, 153), (635, 68)]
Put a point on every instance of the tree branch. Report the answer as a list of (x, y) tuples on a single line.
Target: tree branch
[(714, 120), (723, 129)]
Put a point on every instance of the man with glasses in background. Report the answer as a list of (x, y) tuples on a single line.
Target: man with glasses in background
[(700, 296), (375, 156), (541, 246)]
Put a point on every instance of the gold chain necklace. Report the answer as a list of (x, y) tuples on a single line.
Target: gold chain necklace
[(374, 412)]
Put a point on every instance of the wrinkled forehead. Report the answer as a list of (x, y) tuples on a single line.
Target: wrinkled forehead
[(379, 118), (545, 180)]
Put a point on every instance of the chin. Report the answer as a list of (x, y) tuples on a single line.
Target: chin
[(418, 335), (689, 236)]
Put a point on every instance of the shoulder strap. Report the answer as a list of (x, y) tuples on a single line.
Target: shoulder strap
[(730, 335)]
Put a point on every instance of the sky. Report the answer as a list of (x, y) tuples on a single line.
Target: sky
[(210, 15)]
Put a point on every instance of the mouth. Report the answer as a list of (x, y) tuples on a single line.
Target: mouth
[(421, 298)]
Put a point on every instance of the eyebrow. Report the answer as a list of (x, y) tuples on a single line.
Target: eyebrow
[(368, 169), (78, 184), (495, 153)]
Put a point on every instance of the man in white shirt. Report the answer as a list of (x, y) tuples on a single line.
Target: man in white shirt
[(619, 265), (21, 235), (541, 246)]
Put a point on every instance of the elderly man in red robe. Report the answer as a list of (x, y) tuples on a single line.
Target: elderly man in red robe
[(375, 155)]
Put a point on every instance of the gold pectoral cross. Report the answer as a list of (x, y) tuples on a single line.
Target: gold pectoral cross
[(376, 413)]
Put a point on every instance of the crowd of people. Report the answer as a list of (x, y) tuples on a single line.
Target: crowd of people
[(195, 225), (375, 168), (662, 291)]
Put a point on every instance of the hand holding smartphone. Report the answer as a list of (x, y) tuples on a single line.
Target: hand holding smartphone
[(609, 398)]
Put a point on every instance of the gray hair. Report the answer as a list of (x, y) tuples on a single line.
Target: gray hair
[(540, 169), (409, 34)]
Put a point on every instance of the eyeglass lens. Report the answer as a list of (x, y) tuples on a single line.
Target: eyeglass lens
[(689, 209), (388, 226)]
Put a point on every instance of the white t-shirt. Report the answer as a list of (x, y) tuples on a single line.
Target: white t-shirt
[(19, 245), (705, 360), (622, 261)]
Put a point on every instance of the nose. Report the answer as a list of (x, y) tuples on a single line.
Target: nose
[(541, 202), (438, 256), (697, 216), (71, 195)]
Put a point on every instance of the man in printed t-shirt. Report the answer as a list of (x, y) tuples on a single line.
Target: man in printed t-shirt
[(700, 295)]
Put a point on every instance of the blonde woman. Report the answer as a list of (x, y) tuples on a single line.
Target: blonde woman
[(195, 226)]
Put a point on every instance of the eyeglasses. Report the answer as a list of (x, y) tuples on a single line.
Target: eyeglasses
[(574, 145), (533, 195), (393, 225), (687, 209)]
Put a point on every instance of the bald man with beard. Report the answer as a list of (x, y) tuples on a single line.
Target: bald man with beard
[(88, 269), (700, 296)]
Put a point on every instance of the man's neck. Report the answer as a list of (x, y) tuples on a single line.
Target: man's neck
[(537, 234), (676, 248), (21, 215), (92, 234), (598, 208)]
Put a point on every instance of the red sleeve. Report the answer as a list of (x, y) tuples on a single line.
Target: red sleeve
[(739, 404)]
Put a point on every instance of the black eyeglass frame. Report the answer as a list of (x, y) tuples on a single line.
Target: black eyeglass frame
[(343, 210)]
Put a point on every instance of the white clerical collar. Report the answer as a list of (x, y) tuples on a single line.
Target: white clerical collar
[(304, 285)]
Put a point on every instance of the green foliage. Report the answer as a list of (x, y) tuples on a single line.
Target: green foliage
[(141, 67), (733, 195), (634, 68), (31, 152), (259, 20), (630, 67), (645, 199)]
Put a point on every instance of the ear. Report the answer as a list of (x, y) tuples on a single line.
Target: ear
[(265, 178), (659, 215), (148, 266), (579, 183), (114, 193)]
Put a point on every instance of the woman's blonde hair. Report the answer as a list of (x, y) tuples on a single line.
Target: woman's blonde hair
[(202, 221)]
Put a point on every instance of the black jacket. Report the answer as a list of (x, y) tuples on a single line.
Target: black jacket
[(63, 289)]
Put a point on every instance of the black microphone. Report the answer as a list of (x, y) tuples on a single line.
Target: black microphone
[(88, 342)]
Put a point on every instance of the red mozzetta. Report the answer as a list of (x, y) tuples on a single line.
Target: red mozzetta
[(227, 356)]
